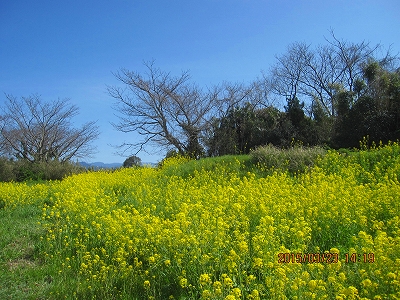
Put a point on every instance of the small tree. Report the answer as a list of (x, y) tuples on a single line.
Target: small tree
[(132, 161), (40, 131)]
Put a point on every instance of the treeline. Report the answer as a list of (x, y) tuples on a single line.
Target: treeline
[(23, 170), (331, 95), (38, 140), (335, 95), (371, 109)]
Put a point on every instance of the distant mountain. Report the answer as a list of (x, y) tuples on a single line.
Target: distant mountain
[(100, 165)]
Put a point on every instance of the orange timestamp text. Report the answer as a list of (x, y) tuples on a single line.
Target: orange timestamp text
[(328, 258)]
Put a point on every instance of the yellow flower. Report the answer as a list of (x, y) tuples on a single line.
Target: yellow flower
[(243, 247), (205, 279), (300, 234), (206, 294), (331, 279), (258, 263), (255, 295), (334, 250), (350, 291), (227, 282), (146, 284), (342, 276), (183, 282), (237, 293), (217, 284), (312, 284), (107, 218), (366, 282)]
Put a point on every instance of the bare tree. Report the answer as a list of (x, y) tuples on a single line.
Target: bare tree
[(166, 110), (287, 75), (319, 74), (230, 96), (42, 131)]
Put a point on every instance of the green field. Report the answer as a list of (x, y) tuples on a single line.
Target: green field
[(233, 227)]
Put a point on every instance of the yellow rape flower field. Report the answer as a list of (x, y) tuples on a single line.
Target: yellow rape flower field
[(222, 232)]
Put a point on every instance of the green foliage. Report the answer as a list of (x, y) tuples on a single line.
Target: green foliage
[(2, 203), (295, 159), (232, 164), (234, 133), (23, 272), (180, 230), (23, 170), (6, 170), (372, 109), (171, 153), (374, 163), (245, 128), (295, 111), (132, 161)]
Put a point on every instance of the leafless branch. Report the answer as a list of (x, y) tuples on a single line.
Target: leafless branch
[(40, 131)]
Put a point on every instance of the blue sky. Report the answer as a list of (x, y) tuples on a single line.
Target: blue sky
[(69, 49)]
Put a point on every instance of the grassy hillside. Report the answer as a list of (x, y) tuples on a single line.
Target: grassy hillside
[(223, 228)]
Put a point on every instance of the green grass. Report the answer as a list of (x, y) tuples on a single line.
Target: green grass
[(26, 274), (211, 164), (262, 161), (23, 273)]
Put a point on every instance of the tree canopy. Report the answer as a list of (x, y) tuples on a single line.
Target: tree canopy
[(332, 94), (39, 131), (132, 161), (166, 110)]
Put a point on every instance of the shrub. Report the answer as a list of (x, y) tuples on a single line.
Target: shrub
[(294, 159), (23, 170), (6, 170), (55, 170)]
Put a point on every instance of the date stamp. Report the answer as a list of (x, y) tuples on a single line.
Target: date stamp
[(328, 258)]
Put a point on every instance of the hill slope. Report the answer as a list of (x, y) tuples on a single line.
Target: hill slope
[(214, 229)]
